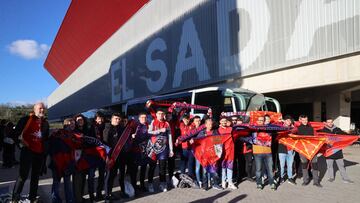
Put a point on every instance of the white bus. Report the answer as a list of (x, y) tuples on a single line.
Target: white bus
[(220, 99)]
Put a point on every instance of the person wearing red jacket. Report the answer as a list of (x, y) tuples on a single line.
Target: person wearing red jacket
[(34, 133), (226, 172), (163, 149), (187, 157)]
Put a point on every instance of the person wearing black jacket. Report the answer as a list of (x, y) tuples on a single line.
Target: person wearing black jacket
[(338, 156), (306, 129), (111, 135), (79, 177), (96, 131), (34, 132)]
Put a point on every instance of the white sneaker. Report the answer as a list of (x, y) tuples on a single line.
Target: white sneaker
[(151, 187), (163, 187), (232, 186), (223, 185), (200, 184)]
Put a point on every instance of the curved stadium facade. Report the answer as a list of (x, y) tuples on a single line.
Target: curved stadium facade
[(304, 53)]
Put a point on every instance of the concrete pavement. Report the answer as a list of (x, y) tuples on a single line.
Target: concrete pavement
[(336, 191)]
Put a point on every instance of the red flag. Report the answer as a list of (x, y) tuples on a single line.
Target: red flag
[(307, 146), (336, 142), (210, 149), (274, 116)]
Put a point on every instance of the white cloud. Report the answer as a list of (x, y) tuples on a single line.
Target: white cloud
[(28, 49)]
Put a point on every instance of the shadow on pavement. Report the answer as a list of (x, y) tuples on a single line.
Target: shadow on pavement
[(212, 198), (238, 198)]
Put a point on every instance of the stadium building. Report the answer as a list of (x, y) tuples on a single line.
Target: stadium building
[(304, 53)]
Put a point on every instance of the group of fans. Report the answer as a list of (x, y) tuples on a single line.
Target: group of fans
[(160, 141)]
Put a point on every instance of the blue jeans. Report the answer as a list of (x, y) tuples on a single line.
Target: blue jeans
[(197, 171), (187, 161), (55, 196), (226, 175), (288, 159), (267, 160)]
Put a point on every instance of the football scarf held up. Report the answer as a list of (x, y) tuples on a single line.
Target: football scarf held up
[(130, 128)]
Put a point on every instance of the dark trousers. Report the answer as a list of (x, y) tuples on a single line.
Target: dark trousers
[(314, 166), (78, 185), (28, 160), (162, 170), (8, 155), (100, 183), (187, 161), (142, 174), (248, 164), (152, 166), (171, 166), (132, 170), (111, 174)]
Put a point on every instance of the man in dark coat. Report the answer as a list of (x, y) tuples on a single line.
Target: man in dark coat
[(306, 129), (338, 156)]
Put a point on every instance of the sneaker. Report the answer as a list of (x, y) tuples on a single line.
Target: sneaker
[(223, 185), (232, 186), (259, 187), (282, 180), (200, 184), (163, 187), (273, 187), (263, 179), (206, 187), (331, 180), (151, 187), (348, 181), (291, 181), (318, 185), (217, 187)]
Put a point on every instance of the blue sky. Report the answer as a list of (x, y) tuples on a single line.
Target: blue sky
[(27, 30)]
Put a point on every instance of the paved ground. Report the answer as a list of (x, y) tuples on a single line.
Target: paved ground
[(247, 192)]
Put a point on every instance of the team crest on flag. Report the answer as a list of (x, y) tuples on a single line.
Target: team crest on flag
[(218, 150)]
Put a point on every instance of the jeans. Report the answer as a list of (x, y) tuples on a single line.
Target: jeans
[(288, 159), (55, 196), (187, 161), (268, 161), (226, 175), (208, 175), (197, 171)]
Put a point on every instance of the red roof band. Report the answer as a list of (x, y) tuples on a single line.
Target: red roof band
[(86, 26)]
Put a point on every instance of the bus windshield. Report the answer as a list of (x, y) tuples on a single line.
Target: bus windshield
[(249, 101)]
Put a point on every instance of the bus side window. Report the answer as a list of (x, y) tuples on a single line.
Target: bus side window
[(215, 100)]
